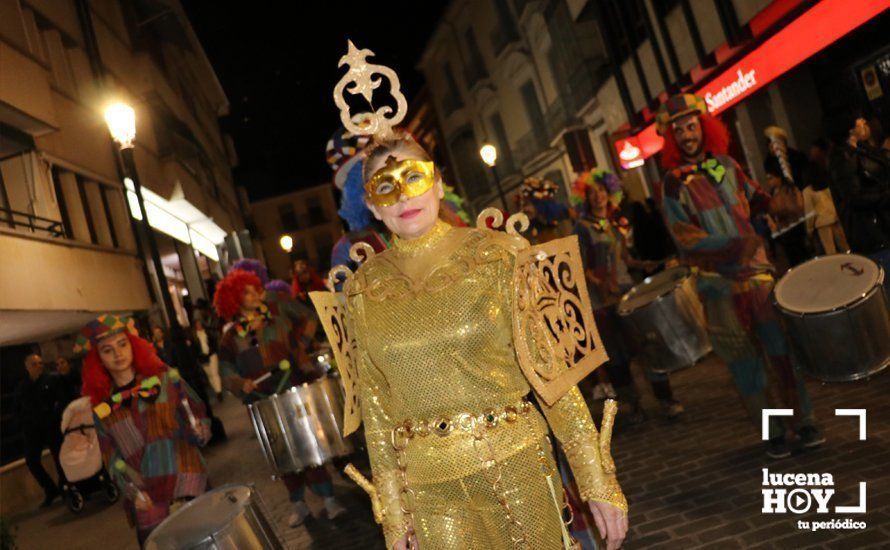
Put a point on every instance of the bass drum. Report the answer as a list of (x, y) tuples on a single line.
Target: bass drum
[(302, 427), (835, 313), (665, 319), (231, 517)]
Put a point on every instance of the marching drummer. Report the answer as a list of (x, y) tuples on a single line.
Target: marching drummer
[(261, 353), (602, 235), (707, 201), (150, 423)]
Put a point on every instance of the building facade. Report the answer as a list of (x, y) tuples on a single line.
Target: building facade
[(309, 217), (561, 86), (65, 211)]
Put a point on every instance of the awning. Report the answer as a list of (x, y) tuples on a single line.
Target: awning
[(814, 30), (178, 218)]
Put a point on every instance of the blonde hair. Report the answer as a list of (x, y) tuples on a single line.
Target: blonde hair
[(378, 151)]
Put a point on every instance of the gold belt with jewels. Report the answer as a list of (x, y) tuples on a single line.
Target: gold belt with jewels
[(467, 422)]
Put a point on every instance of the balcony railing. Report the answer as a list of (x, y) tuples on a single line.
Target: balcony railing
[(35, 224)]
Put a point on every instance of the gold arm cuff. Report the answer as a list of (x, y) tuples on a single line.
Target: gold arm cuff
[(608, 492)]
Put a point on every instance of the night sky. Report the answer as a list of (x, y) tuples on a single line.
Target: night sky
[(279, 67)]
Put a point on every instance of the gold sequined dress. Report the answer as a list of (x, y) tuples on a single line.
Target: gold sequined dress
[(456, 452)]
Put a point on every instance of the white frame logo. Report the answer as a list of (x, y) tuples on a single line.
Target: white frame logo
[(800, 493)]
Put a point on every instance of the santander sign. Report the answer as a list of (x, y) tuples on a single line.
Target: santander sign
[(822, 24), (743, 84)]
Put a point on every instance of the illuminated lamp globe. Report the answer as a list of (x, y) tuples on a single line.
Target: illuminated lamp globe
[(286, 242), (489, 154), (121, 121)]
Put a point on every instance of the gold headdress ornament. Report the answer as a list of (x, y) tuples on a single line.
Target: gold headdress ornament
[(360, 80)]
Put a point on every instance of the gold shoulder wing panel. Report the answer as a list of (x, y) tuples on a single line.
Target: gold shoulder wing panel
[(338, 327), (557, 343)]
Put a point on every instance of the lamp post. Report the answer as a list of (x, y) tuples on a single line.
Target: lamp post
[(121, 121), (489, 154)]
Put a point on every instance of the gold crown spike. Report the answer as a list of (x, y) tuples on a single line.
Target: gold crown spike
[(360, 80)]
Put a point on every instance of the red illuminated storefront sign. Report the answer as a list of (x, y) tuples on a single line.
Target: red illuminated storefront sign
[(814, 30)]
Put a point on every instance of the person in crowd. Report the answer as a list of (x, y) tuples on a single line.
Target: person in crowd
[(602, 234), (184, 353), (37, 405), (149, 421), (862, 171), (707, 201), (819, 207), (345, 159), (159, 341), (266, 331), (67, 378), (786, 213), (205, 315), (304, 279), (207, 345), (259, 269), (793, 163), (550, 218)]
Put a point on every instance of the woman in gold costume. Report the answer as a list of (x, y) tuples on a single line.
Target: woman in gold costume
[(436, 363)]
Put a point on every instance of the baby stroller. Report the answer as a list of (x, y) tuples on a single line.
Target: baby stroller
[(81, 457)]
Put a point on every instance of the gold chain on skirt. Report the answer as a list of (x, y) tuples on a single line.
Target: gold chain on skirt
[(477, 425)]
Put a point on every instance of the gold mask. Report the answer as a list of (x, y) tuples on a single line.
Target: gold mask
[(410, 177)]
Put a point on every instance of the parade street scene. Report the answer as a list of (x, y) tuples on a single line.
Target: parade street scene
[(444, 275)]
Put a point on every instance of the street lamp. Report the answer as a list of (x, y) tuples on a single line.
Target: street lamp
[(489, 154), (287, 243), (121, 121)]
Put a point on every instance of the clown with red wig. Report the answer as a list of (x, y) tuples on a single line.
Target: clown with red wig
[(149, 422), (707, 201), (268, 333)]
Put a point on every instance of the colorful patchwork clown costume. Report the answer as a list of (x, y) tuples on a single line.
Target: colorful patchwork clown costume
[(707, 201), (144, 427), (269, 340)]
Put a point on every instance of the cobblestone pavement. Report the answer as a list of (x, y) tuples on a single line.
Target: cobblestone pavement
[(696, 482), (691, 483)]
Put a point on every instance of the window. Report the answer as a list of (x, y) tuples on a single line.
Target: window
[(451, 101), (504, 30), (533, 107), (475, 69), (470, 169), (504, 165), (288, 217), (316, 212)]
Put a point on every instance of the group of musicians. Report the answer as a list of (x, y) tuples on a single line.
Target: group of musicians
[(447, 355)]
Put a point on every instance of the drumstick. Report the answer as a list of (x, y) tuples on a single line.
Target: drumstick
[(794, 224), (283, 365), (188, 411), (260, 379), (134, 480)]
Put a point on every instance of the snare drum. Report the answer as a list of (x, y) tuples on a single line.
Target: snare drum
[(835, 313), (231, 517), (665, 318), (302, 427)]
